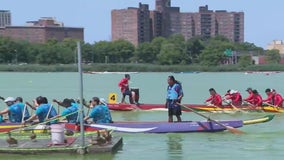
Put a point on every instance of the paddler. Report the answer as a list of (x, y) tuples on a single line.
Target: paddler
[(44, 111), (14, 110), (234, 97), (70, 107), (273, 98), (215, 99), (125, 90), (174, 95), (256, 100), (250, 96), (99, 112)]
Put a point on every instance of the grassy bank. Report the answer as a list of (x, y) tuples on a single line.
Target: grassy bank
[(137, 68)]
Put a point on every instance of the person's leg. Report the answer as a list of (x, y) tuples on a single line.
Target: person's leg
[(170, 119), (170, 112), (123, 98), (177, 112), (133, 96)]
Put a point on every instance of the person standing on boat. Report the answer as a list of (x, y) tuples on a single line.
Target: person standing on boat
[(98, 113), (125, 90), (14, 110), (174, 95), (215, 99), (234, 97), (44, 111), (70, 107)]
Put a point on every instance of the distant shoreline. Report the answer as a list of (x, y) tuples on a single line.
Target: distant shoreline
[(131, 67)]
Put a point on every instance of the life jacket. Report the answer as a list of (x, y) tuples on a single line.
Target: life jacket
[(43, 110), (172, 93)]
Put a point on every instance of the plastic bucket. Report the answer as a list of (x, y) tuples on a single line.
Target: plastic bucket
[(57, 134)]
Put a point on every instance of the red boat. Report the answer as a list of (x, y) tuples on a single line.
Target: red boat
[(197, 107)]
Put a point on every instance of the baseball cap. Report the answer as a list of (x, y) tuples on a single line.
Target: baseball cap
[(9, 99), (103, 101)]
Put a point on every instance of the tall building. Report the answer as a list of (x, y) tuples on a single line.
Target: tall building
[(278, 45), (132, 24), (42, 30), (166, 20), (5, 18)]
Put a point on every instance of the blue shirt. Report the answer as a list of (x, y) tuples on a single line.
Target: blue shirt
[(107, 113), (73, 117), (27, 114), (15, 113), (98, 114), (42, 112)]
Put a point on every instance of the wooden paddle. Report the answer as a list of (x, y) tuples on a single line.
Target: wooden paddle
[(275, 107), (229, 128), (234, 107)]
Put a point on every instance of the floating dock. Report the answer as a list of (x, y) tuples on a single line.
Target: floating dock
[(72, 145)]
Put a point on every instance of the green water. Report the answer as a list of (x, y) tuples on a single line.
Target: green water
[(261, 141)]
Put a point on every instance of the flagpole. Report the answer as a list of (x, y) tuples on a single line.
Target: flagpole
[(81, 113)]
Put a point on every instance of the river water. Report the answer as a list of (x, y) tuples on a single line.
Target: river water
[(261, 141)]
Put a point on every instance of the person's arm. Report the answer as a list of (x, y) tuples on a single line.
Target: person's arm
[(4, 111), (209, 99), (268, 99), (31, 106), (58, 102), (33, 117), (249, 98)]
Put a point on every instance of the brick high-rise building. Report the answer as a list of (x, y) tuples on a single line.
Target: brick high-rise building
[(5, 18), (166, 20), (42, 30), (132, 24)]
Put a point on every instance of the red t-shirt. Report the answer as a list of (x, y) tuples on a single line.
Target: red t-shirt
[(215, 100), (123, 84)]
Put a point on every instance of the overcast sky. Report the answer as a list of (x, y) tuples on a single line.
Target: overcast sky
[(264, 20)]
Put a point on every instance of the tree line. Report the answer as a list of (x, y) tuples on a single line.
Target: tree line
[(164, 51)]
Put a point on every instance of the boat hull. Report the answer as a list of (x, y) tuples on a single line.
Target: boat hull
[(196, 107), (161, 127)]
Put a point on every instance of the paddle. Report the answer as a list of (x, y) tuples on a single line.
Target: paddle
[(234, 107), (253, 106), (275, 107), (229, 128)]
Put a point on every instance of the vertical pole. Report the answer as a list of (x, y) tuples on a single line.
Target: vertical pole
[(81, 113)]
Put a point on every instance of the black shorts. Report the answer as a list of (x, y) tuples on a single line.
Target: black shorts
[(173, 109), (127, 92)]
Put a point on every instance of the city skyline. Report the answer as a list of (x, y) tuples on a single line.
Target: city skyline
[(263, 22)]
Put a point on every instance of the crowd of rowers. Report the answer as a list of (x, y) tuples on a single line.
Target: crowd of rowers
[(254, 99), (18, 111)]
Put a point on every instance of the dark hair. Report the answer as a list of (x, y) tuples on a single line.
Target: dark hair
[(40, 100), (212, 89), (127, 76), (66, 102), (172, 78), (96, 99), (228, 91), (254, 91), (268, 90), (20, 99)]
